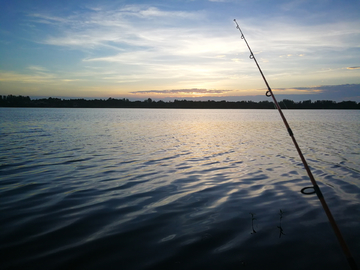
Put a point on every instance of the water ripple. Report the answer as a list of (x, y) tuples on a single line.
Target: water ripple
[(174, 189)]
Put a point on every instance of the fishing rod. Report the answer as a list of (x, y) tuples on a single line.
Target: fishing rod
[(315, 187)]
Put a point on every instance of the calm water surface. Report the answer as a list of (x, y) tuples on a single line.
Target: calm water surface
[(176, 189)]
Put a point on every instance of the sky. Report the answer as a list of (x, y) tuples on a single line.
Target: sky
[(180, 49)]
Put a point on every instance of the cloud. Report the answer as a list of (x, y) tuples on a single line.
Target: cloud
[(353, 68), (167, 32), (38, 77), (161, 28), (47, 19), (37, 68), (324, 88), (35, 75), (182, 91), (148, 12), (324, 92)]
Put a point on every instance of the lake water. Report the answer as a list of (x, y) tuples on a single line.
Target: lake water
[(176, 189)]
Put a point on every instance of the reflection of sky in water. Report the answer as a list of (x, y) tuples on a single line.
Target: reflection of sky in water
[(179, 177)]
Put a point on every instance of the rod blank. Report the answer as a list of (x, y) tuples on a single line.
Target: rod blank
[(317, 190)]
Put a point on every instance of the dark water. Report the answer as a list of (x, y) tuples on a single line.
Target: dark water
[(176, 189)]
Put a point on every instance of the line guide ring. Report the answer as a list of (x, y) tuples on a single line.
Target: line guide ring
[(308, 193)]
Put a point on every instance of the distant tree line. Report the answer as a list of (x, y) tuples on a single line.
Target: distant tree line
[(22, 101)]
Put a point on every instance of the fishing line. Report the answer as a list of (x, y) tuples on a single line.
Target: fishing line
[(315, 187)]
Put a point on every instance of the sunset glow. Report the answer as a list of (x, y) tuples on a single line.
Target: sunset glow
[(179, 49)]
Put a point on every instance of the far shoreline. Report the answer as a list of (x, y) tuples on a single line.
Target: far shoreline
[(27, 102)]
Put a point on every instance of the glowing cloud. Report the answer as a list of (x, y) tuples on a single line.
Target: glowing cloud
[(182, 91)]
